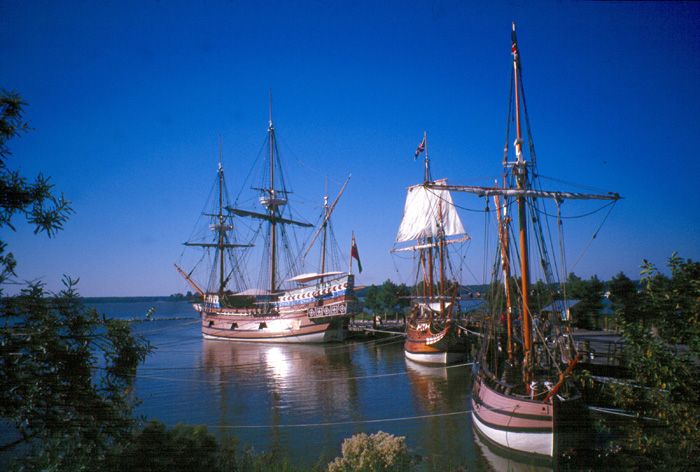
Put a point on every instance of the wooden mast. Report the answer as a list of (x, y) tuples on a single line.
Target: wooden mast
[(505, 265), (272, 205), (325, 231), (430, 240), (520, 170), (441, 253), (222, 234)]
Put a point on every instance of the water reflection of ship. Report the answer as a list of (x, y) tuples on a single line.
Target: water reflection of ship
[(428, 384), (433, 393), (499, 459), (314, 381)]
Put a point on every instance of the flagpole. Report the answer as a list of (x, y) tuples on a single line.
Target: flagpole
[(352, 244), (427, 165)]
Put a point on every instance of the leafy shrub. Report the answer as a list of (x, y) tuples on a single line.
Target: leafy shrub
[(377, 452)]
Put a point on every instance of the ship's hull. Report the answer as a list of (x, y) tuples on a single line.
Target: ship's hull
[(271, 329), (528, 426), (515, 423), (315, 314), (423, 345)]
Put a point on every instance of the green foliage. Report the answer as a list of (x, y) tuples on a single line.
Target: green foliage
[(665, 386), (541, 296), (155, 448), (32, 200), (188, 448), (624, 297), (377, 452), (387, 298), (65, 371), (66, 374), (672, 305), (590, 293)]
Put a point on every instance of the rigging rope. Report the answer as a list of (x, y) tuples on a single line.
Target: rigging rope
[(595, 235), (343, 423), (300, 380)]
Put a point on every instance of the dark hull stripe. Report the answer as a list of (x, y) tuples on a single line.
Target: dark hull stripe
[(478, 402), (237, 330), (265, 337)]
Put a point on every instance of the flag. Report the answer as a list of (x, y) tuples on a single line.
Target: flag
[(419, 149), (355, 254)]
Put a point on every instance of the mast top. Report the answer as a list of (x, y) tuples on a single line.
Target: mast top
[(220, 167), (270, 122), (427, 159)]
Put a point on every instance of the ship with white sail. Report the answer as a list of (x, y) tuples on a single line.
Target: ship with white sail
[(430, 225)]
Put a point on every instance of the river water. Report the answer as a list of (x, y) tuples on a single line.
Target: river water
[(304, 399)]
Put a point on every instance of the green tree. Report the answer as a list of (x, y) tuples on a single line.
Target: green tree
[(541, 296), (624, 297), (589, 293), (387, 298), (32, 200), (372, 299), (65, 371), (665, 387), (188, 448)]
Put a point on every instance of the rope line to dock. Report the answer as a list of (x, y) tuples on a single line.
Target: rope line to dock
[(341, 423), (291, 380), (617, 412)]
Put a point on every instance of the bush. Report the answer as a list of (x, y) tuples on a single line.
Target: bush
[(377, 452)]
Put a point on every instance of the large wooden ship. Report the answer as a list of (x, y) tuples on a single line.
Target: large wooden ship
[(524, 398), (430, 224), (304, 308)]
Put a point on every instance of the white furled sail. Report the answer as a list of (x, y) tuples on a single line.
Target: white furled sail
[(429, 212)]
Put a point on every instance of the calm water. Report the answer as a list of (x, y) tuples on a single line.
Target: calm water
[(304, 399)]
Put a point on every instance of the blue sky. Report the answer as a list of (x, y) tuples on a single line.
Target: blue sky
[(127, 101)]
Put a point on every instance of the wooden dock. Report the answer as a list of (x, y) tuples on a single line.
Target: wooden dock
[(603, 352)]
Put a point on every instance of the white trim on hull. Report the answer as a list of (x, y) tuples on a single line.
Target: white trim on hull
[(304, 338), (531, 443), (330, 335), (440, 358)]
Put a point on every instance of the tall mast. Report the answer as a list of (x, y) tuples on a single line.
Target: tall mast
[(430, 240), (272, 207), (503, 222), (427, 160), (325, 230), (441, 253), (520, 170), (222, 230)]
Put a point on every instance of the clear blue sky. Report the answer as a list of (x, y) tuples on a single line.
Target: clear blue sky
[(127, 101)]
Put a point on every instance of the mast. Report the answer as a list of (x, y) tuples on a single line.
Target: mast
[(427, 160), (520, 170), (325, 231), (322, 228), (272, 206), (222, 234), (441, 253), (505, 265), (430, 239)]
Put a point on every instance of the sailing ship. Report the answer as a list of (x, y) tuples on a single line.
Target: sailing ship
[(431, 223), (524, 398), (316, 310)]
